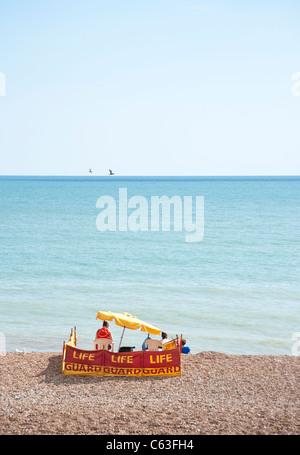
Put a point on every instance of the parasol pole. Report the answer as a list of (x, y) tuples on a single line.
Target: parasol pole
[(121, 337)]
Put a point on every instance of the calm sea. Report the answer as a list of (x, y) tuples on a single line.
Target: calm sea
[(237, 291)]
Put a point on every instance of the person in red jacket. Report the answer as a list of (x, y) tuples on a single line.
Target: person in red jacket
[(104, 332)]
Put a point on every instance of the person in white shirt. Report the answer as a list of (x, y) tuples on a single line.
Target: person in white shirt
[(164, 338)]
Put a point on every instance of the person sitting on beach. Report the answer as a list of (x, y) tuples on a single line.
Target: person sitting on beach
[(164, 338), (144, 344), (104, 332), (185, 349)]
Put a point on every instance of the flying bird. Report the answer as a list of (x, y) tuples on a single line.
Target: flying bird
[(111, 172), (90, 171)]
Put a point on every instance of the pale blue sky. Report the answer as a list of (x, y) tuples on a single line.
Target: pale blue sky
[(157, 87)]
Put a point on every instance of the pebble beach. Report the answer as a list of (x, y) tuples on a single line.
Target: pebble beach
[(217, 394)]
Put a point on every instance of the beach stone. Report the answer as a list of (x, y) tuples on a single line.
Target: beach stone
[(216, 394)]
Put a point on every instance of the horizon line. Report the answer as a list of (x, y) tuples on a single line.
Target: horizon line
[(149, 175)]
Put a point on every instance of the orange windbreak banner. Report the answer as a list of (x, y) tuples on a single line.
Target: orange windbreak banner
[(170, 345), (79, 362), (106, 363), (72, 339), (122, 363), (174, 344), (162, 363)]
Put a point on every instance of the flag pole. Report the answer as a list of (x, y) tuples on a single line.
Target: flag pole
[(121, 338)]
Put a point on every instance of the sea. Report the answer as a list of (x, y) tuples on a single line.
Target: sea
[(234, 289)]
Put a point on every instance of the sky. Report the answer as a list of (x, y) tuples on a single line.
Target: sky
[(152, 87)]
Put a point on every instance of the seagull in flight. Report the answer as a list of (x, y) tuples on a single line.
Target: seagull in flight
[(90, 171), (111, 172)]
